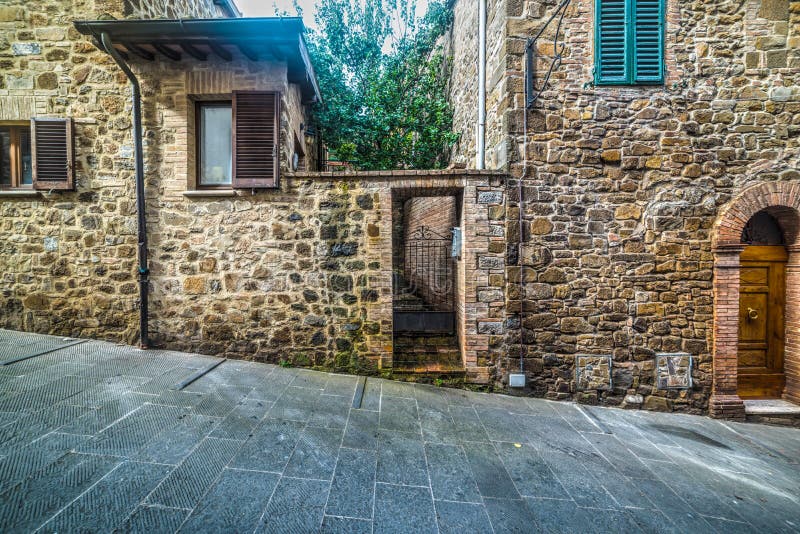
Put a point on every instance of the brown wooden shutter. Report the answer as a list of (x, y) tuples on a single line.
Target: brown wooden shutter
[(256, 139), (52, 154)]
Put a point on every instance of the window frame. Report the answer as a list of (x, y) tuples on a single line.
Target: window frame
[(15, 152), (630, 48), (198, 117)]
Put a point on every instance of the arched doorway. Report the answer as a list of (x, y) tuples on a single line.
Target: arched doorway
[(762, 298), (756, 281)]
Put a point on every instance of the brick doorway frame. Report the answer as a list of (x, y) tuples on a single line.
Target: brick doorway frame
[(782, 201)]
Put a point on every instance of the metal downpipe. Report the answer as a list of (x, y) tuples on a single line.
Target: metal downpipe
[(108, 46), (480, 156)]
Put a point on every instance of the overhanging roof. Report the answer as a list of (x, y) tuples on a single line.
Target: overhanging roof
[(258, 39)]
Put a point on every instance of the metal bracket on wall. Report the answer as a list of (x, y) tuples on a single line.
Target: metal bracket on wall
[(531, 92)]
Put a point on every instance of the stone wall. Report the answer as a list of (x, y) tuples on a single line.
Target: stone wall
[(67, 260), (622, 186)]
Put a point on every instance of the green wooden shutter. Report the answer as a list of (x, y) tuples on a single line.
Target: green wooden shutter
[(629, 42), (648, 57), (611, 41)]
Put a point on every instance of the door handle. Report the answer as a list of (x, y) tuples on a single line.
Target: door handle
[(752, 314)]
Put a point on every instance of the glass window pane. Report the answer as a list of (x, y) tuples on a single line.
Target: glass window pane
[(215, 145), (5, 156), (25, 151)]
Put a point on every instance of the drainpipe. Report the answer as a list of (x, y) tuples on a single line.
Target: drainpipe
[(480, 158), (108, 46)]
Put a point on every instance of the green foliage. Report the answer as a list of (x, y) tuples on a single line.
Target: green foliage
[(383, 83)]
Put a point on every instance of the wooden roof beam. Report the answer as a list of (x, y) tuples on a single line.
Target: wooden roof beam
[(219, 51), (193, 51), (167, 52)]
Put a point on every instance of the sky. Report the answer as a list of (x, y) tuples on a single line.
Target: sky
[(266, 8)]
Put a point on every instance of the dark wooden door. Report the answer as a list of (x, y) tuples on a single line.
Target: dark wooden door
[(762, 290)]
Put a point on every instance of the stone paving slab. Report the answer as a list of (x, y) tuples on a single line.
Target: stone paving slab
[(94, 437)]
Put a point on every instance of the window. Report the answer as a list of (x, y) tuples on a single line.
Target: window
[(237, 141), (16, 166), (629, 42), (214, 149)]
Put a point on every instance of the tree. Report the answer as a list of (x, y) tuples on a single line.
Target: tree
[(384, 83)]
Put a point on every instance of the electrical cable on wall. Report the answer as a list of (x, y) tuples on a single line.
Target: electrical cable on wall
[(531, 96)]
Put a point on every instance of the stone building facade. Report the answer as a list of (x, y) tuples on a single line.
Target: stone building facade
[(627, 190)]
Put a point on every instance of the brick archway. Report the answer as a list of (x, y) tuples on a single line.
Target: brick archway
[(782, 201)]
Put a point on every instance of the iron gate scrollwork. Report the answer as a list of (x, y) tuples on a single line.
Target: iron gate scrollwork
[(424, 289)]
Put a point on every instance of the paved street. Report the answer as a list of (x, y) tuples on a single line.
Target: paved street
[(96, 437)]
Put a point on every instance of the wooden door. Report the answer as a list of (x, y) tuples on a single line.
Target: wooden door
[(762, 290)]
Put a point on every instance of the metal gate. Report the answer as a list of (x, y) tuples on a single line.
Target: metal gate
[(424, 289)]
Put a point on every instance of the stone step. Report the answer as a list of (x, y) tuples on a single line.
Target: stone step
[(772, 412)]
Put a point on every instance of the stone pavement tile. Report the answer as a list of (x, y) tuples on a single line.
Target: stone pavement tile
[(346, 525), (704, 501), (241, 373), (297, 505), (577, 417), (451, 477), (189, 481), (430, 398), (468, 426), (96, 420), (150, 519), (652, 521), (221, 401), (310, 379), (510, 516), (730, 527), (130, 434), (541, 406), (615, 452), (295, 404), (461, 517), (270, 447), (241, 421), (353, 487), (490, 474), (613, 521), (399, 414), (234, 504), (36, 499), (33, 426), (501, 425), (109, 502), (438, 426), (403, 509), (344, 385), (392, 388), (579, 483), (268, 389), (106, 391), (671, 505), (26, 461), (401, 459), (173, 445), (362, 430), (372, 394), (625, 492), (315, 453), (559, 516), (331, 411), (165, 381), (531, 475), (41, 376), (180, 398), (46, 395)]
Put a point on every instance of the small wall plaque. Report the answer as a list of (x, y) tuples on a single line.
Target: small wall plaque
[(674, 370)]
